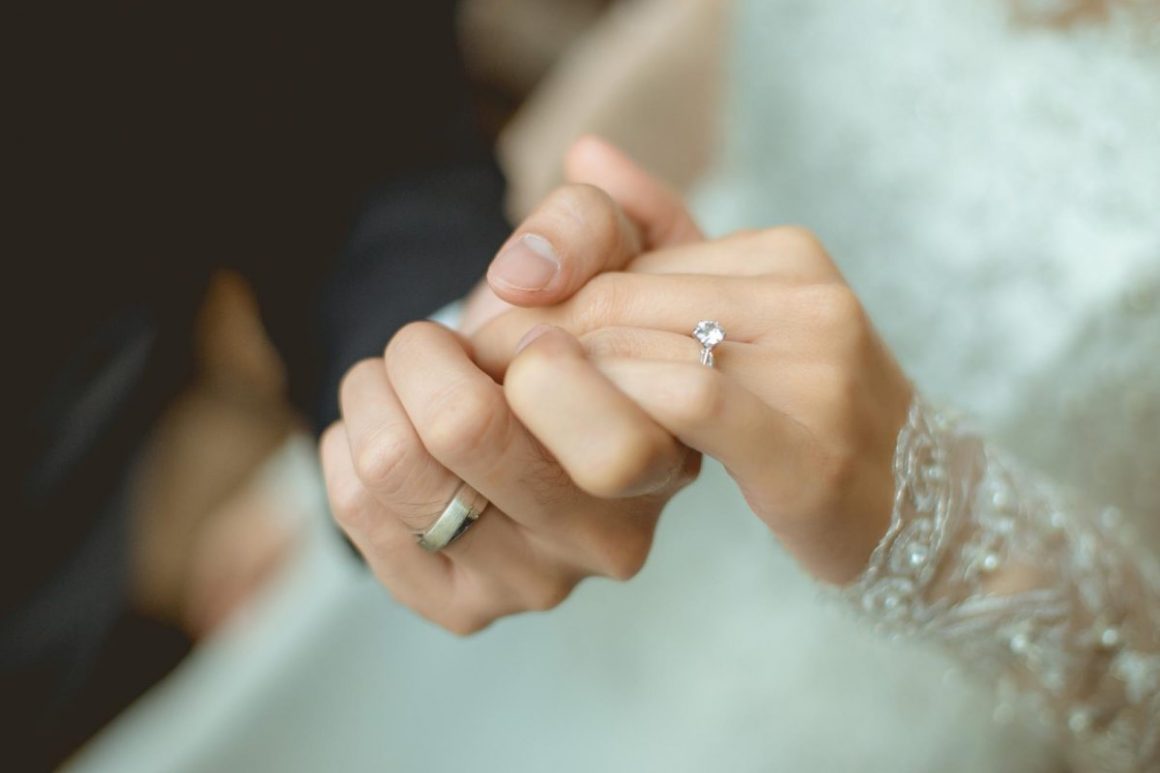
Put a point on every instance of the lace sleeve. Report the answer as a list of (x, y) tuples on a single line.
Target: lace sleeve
[(1038, 592)]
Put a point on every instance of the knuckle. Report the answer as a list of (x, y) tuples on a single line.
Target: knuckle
[(549, 594), (628, 566), (464, 624), (837, 308), (701, 399), (609, 342), (845, 326), (407, 339), (343, 489), (628, 557), (462, 616), (356, 374), (380, 461), (349, 505), (627, 460), (748, 234), (469, 625), (794, 247), (532, 374), (599, 303), (463, 422), (525, 377), (796, 236)]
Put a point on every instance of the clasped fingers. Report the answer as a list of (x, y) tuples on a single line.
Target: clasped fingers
[(424, 419)]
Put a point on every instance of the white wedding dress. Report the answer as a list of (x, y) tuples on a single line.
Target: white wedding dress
[(993, 193)]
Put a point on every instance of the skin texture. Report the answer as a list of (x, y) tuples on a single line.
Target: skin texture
[(578, 409)]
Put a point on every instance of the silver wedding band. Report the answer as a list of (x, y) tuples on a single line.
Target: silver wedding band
[(710, 333), (461, 512)]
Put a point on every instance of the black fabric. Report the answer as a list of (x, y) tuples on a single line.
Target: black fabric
[(324, 150)]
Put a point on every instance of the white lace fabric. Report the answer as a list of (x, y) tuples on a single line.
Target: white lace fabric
[(1024, 583)]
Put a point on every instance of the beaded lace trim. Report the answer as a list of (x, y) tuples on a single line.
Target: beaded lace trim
[(1041, 594)]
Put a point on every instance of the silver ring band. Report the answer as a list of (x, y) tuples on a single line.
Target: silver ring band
[(461, 512), (710, 333)]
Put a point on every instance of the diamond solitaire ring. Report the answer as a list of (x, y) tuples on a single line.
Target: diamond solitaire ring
[(709, 333), (461, 512)]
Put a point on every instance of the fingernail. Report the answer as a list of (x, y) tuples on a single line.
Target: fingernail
[(532, 335), (529, 263)]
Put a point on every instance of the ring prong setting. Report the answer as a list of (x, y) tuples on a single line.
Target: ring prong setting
[(710, 333)]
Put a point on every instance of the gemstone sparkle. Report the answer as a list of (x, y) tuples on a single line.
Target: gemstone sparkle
[(709, 333)]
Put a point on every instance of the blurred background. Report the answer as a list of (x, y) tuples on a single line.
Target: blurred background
[(299, 660), (293, 659)]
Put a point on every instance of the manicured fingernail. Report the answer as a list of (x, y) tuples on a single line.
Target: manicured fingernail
[(532, 335), (528, 263)]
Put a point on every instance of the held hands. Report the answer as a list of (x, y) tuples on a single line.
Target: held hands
[(425, 416), (590, 433)]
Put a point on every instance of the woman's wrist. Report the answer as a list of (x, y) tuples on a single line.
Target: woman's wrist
[(1027, 584)]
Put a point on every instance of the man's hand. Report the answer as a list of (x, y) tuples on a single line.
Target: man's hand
[(610, 211), (576, 477)]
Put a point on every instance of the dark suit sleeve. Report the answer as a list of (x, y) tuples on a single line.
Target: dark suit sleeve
[(325, 150), (421, 243), (396, 212)]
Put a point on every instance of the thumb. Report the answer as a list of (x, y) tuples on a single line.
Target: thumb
[(610, 212), (658, 211)]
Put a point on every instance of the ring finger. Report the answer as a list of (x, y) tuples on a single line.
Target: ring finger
[(779, 375), (411, 488), (463, 421)]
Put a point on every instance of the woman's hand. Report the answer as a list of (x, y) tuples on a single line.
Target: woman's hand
[(804, 405), (578, 497)]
